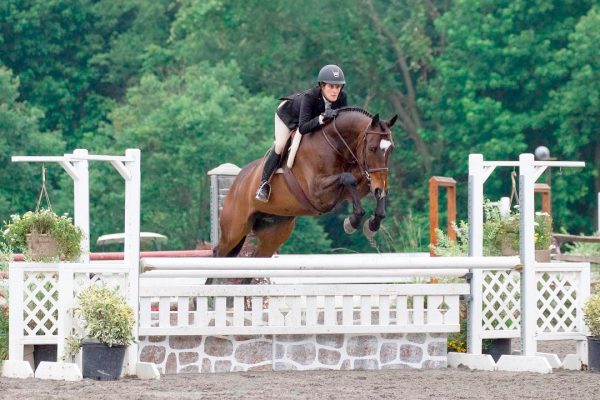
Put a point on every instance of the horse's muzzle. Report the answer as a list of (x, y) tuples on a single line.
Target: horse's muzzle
[(379, 184)]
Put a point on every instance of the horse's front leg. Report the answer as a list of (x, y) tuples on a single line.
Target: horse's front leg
[(373, 224), (352, 222)]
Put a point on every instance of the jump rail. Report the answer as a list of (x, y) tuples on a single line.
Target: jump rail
[(329, 262)]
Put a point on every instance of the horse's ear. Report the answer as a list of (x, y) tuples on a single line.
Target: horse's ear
[(392, 121), (375, 121)]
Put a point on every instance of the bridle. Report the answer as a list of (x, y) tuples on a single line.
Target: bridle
[(364, 168)]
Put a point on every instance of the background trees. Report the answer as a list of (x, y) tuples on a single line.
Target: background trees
[(194, 83)]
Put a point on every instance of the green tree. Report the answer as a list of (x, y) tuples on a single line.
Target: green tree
[(20, 135), (74, 58), (185, 124), (574, 110), (493, 83)]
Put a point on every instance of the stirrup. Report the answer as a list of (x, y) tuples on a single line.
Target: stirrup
[(263, 193)]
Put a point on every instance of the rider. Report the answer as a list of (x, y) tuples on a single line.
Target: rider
[(306, 111)]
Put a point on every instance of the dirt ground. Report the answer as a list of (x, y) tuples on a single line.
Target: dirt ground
[(345, 385)]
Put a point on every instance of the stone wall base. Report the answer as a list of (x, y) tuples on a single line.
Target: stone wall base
[(204, 354)]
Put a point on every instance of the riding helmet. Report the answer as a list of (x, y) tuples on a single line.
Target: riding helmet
[(331, 74)]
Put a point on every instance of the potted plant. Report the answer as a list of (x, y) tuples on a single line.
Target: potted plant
[(591, 316), (44, 236), (107, 322), (500, 235)]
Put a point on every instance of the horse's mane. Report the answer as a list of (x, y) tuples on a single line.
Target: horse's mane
[(361, 111), (355, 109)]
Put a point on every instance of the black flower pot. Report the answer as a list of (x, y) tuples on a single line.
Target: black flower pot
[(498, 347), (44, 352), (101, 362), (593, 353)]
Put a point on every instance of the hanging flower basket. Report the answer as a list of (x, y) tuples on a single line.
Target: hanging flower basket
[(41, 246), (44, 236)]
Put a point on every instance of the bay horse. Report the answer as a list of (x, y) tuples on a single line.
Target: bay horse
[(346, 159)]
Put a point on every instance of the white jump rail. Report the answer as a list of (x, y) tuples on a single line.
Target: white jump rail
[(328, 262)]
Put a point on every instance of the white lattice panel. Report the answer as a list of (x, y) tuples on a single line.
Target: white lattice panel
[(40, 311), (501, 306), (82, 280), (113, 280), (557, 301)]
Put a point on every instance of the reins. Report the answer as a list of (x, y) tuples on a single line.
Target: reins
[(364, 169)]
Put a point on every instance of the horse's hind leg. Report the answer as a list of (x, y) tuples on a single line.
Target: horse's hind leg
[(233, 234)]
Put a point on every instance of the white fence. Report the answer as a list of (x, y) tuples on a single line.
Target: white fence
[(188, 309), (42, 295), (175, 301), (561, 291), (548, 297)]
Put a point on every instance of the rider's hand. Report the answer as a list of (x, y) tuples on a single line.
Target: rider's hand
[(328, 115)]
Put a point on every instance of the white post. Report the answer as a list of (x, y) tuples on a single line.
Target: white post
[(65, 304), (132, 244), (81, 202), (584, 293), (504, 206), (476, 181), (15, 317), (527, 178)]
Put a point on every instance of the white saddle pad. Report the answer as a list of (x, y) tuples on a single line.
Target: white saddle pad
[(293, 150)]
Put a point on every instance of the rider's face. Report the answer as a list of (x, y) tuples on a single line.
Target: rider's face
[(331, 91)]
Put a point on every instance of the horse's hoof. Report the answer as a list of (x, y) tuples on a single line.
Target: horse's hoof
[(367, 231), (348, 228)]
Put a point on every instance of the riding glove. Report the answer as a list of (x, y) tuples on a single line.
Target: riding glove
[(328, 115)]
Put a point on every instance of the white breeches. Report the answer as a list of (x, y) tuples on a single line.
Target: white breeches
[(282, 133)]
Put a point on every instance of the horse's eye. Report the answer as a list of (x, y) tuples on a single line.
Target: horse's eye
[(373, 149)]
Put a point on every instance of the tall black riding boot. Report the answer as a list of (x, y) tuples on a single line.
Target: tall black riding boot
[(264, 190)]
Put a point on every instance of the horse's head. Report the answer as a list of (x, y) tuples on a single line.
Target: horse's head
[(377, 146)]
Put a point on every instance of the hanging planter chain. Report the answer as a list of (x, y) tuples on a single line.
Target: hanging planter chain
[(43, 192)]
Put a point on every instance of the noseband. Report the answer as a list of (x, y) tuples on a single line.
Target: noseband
[(364, 168)]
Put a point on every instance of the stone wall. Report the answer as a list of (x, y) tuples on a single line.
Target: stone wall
[(181, 354)]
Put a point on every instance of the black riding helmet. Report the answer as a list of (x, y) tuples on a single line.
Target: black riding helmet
[(331, 74)]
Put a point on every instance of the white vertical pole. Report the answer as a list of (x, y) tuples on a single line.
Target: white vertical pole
[(81, 202), (214, 210), (65, 303), (504, 206), (583, 294), (476, 180), (527, 178), (132, 244), (15, 317)]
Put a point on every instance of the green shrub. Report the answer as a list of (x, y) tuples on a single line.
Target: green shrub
[(105, 317), (499, 232), (591, 314)]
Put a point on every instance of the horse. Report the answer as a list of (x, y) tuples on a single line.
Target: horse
[(346, 159)]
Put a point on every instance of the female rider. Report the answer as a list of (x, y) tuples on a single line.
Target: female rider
[(306, 111)]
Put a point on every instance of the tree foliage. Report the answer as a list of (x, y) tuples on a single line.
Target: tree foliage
[(20, 135), (194, 83)]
